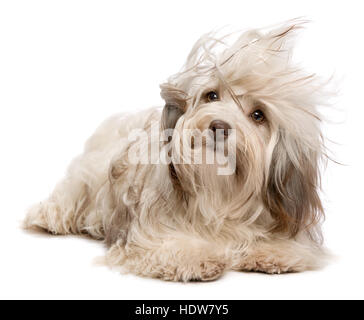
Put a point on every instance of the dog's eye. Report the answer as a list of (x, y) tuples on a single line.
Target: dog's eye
[(212, 96), (258, 116)]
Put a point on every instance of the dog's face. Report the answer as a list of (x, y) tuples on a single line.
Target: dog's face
[(267, 109)]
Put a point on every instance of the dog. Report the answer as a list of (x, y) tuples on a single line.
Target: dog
[(164, 215)]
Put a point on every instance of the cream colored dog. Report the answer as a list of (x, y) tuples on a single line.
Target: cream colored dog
[(165, 215)]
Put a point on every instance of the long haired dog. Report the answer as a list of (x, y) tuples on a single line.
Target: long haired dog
[(250, 201)]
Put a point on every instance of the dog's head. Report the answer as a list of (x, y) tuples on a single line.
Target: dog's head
[(268, 109)]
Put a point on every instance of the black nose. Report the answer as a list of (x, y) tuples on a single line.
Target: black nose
[(220, 125)]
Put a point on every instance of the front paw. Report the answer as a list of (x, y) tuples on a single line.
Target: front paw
[(277, 257), (204, 271), (210, 270), (265, 265), (275, 262)]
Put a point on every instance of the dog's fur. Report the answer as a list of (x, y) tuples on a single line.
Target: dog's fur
[(184, 222)]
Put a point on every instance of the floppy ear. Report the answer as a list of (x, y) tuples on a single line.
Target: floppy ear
[(175, 107), (176, 101), (291, 192)]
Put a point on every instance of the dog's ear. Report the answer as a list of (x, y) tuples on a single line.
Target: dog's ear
[(175, 107), (176, 102), (291, 191)]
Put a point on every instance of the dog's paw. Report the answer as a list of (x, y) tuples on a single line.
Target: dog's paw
[(204, 271), (43, 217), (211, 270), (266, 266), (269, 265), (35, 218)]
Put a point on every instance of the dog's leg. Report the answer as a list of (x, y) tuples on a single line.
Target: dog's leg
[(182, 259), (64, 211), (280, 256), (71, 208)]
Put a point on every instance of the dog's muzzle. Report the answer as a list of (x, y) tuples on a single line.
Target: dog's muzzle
[(220, 125)]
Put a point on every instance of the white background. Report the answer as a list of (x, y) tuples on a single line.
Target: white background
[(67, 65)]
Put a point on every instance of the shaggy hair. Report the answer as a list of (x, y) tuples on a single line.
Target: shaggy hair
[(182, 221)]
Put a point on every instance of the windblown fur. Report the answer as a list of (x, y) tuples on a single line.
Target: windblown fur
[(182, 221)]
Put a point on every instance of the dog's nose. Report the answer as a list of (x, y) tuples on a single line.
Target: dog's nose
[(220, 125)]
